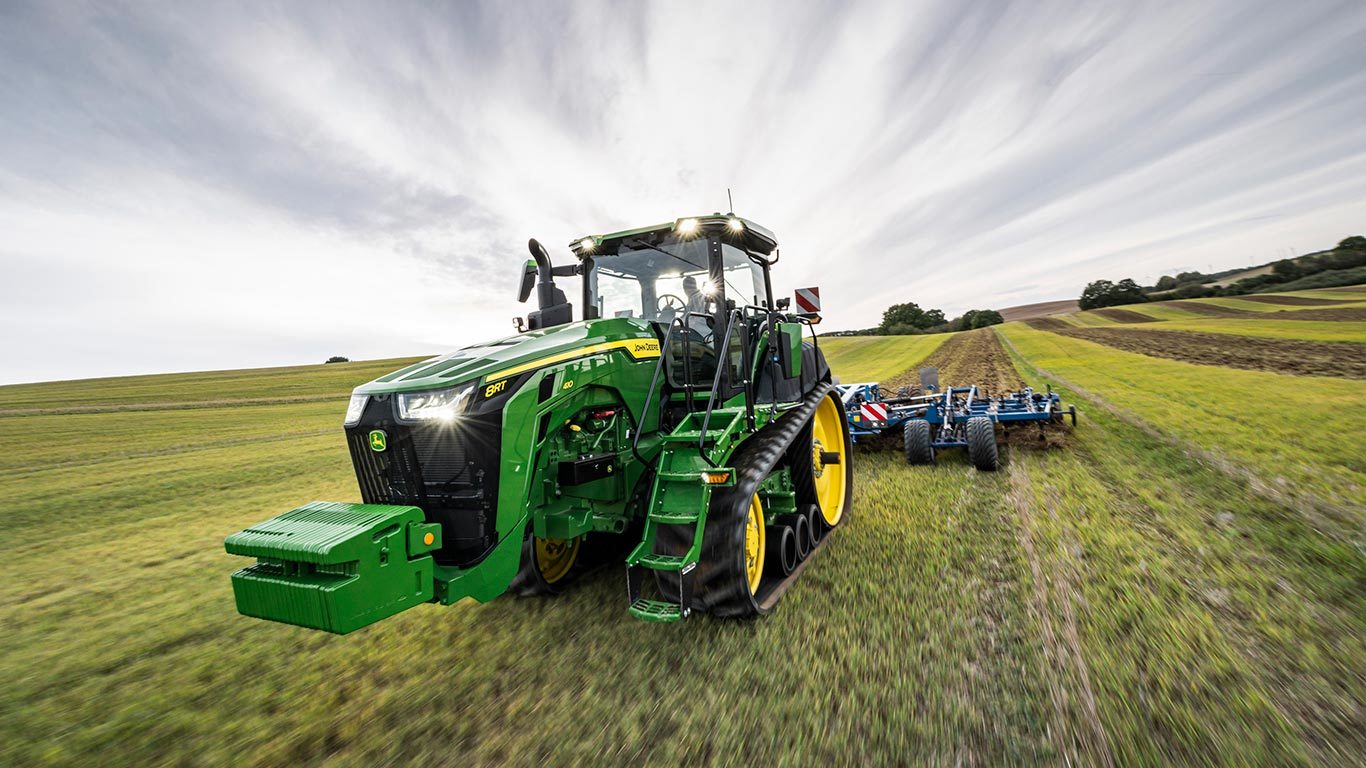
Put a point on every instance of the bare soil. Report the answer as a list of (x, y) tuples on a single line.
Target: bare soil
[(1041, 309), (1291, 301), (1209, 310), (1125, 316), (1307, 358), (973, 357), (1049, 324)]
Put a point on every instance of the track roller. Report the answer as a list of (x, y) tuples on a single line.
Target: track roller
[(801, 532), (815, 525), (782, 550)]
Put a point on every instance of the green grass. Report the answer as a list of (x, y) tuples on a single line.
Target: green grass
[(1208, 626), (1123, 597), (877, 358)]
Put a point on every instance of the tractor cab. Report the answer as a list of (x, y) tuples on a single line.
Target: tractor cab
[(693, 278)]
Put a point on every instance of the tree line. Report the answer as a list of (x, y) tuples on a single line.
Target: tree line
[(1342, 265), (909, 319)]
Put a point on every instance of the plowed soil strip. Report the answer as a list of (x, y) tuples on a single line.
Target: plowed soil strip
[(1125, 316), (1345, 314), (1209, 310), (1306, 358), (972, 357), (1292, 301), (1049, 324)]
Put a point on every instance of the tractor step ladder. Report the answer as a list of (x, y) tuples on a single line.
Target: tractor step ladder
[(680, 496)]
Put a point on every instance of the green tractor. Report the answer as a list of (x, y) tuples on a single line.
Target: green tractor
[(683, 425)]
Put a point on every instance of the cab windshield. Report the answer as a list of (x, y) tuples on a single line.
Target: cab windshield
[(661, 281)]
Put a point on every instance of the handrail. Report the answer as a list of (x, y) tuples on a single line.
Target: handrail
[(734, 318), (654, 382)]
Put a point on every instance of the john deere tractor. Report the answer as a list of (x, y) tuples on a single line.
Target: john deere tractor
[(683, 425)]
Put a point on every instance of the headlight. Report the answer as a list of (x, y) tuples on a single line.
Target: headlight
[(441, 405), (354, 410)]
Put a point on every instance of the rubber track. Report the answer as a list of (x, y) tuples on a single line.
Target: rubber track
[(720, 583)]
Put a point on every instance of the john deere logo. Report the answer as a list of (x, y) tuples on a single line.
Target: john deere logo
[(378, 440)]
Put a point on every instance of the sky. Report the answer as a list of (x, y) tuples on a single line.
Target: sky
[(189, 186)]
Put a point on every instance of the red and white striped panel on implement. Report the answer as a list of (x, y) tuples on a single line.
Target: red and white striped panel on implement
[(873, 411), (808, 299)]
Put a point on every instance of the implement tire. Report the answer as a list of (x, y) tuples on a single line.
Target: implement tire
[(982, 444), (915, 435)]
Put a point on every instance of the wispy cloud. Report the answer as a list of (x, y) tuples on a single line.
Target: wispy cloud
[(221, 185)]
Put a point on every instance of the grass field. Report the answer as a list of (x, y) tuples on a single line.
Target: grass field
[(877, 358), (1181, 582)]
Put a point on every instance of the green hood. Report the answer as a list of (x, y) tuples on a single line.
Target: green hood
[(522, 352)]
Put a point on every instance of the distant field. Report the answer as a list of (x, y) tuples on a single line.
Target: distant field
[(1235, 277), (1177, 581), (877, 358), (1041, 309), (1307, 330), (1320, 316), (180, 389)]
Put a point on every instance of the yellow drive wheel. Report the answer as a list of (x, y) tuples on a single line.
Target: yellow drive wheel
[(828, 460), (754, 544), (556, 557)]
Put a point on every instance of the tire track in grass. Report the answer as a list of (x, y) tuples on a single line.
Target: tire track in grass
[(1234, 618), (977, 357), (1068, 669)]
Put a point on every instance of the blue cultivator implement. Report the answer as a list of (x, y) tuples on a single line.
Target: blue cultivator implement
[(954, 417)]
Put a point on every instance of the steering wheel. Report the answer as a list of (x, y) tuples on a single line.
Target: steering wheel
[(667, 302)]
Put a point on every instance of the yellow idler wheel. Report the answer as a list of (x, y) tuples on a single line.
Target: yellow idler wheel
[(549, 565), (827, 438), (755, 544), (555, 558)]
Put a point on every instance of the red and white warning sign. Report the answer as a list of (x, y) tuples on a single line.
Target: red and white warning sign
[(808, 299), (873, 411)]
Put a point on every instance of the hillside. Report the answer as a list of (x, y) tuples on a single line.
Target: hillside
[(1041, 309)]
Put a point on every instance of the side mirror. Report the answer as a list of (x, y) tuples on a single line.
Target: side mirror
[(528, 281), (789, 340), (784, 303)]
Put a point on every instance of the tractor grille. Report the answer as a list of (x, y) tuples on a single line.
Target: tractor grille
[(451, 473)]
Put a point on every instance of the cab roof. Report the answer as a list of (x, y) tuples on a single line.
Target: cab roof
[(751, 236)]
